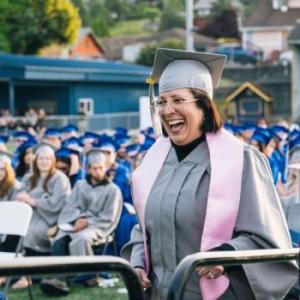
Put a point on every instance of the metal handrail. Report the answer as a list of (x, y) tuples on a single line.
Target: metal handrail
[(225, 258), (73, 265)]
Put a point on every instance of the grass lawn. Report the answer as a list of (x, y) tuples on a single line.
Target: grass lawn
[(132, 27), (78, 292)]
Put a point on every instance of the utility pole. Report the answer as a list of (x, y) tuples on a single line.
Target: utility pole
[(189, 24)]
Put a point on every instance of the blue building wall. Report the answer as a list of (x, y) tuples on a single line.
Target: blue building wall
[(57, 84), (109, 97), (3, 95), (53, 98)]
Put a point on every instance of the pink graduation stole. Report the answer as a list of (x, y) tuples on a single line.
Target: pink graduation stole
[(226, 159)]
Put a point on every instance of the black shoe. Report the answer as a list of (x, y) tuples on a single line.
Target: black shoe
[(54, 287)]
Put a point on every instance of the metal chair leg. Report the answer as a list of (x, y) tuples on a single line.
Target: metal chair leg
[(29, 289)]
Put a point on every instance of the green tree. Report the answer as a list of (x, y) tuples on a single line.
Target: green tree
[(171, 19), (100, 27), (30, 25), (147, 53)]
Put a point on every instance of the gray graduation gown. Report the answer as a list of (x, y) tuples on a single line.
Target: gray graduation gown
[(100, 205), (46, 212), (180, 194), (13, 191)]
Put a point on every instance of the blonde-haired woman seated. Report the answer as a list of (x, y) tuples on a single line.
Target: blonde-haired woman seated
[(9, 186)]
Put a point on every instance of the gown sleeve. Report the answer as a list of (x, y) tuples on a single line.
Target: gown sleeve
[(261, 225)]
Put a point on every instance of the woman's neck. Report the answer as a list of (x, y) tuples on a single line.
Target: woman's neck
[(182, 151)]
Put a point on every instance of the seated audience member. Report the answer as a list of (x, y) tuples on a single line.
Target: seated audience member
[(53, 136), (9, 186), (46, 191), (115, 171), (69, 131), (90, 215), (67, 161), (25, 158)]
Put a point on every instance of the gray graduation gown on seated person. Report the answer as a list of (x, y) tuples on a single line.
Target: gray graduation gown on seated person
[(101, 205), (12, 192), (175, 214), (46, 212)]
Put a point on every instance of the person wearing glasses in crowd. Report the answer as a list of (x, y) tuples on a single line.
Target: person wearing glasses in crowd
[(199, 188)]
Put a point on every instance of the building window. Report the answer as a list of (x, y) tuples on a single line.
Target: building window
[(86, 106), (248, 106)]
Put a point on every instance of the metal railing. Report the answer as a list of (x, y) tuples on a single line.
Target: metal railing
[(225, 258), (97, 122), (72, 265)]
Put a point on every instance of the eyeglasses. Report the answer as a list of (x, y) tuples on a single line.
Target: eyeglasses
[(175, 103)]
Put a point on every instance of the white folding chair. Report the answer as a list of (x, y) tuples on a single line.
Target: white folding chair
[(15, 218)]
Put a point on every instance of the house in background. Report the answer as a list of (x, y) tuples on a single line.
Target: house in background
[(250, 103), (267, 29), (86, 46)]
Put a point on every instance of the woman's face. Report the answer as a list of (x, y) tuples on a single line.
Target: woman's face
[(2, 170), (44, 162), (29, 157), (182, 121)]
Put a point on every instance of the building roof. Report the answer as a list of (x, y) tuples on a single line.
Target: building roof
[(39, 68), (265, 16), (85, 31), (294, 37), (250, 86), (113, 46)]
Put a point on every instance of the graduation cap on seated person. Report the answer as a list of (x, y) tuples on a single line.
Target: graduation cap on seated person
[(52, 132), (23, 136), (95, 156), (89, 136), (45, 147), (133, 150), (262, 136), (73, 143), (28, 144), (69, 128), (5, 157), (66, 153), (3, 139)]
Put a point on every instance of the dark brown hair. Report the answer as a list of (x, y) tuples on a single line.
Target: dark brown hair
[(212, 118), (36, 175)]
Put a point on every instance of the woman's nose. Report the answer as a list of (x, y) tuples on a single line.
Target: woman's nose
[(169, 108)]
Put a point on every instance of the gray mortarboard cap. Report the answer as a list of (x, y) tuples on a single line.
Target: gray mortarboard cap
[(5, 156), (175, 69), (95, 156), (45, 147)]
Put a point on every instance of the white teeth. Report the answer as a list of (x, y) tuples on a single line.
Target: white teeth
[(175, 122)]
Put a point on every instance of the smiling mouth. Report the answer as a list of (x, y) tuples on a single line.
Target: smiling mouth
[(176, 125)]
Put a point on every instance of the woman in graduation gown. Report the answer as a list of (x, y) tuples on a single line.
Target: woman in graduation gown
[(9, 186), (46, 191), (201, 189)]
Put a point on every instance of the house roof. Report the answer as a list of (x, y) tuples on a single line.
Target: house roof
[(113, 46), (250, 86), (85, 31), (39, 68), (294, 37), (265, 16)]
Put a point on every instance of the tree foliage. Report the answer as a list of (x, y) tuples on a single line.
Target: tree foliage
[(147, 53), (29, 25)]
